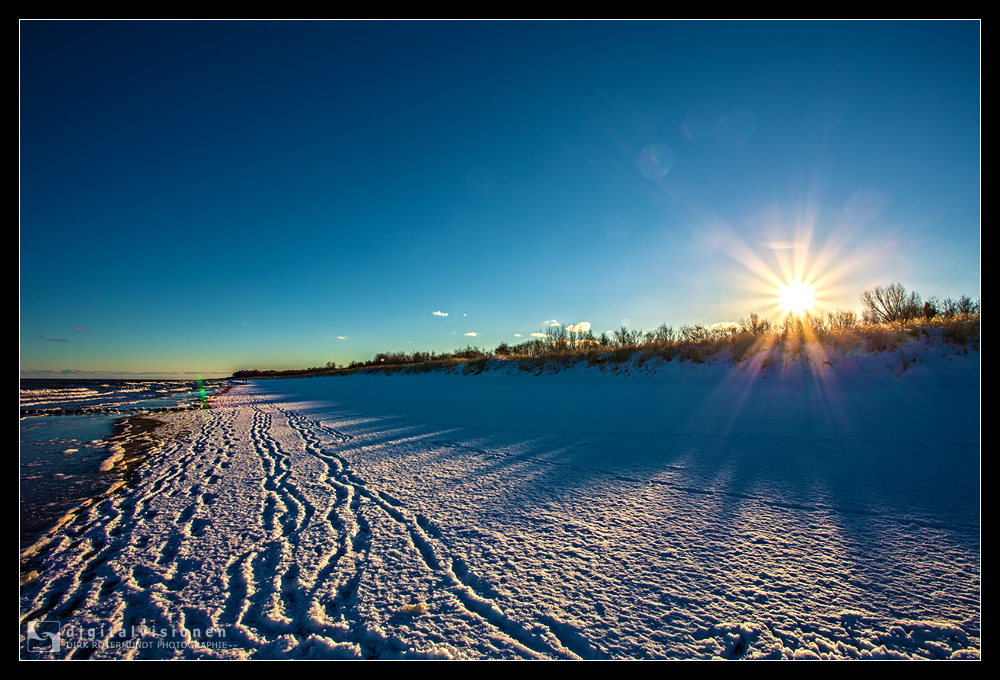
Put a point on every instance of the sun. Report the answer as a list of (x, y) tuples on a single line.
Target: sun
[(796, 298)]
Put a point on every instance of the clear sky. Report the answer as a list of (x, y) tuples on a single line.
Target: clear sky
[(200, 197)]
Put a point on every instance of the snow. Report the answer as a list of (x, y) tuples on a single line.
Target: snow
[(813, 510)]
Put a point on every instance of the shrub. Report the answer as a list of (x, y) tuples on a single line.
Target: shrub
[(693, 353), (881, 340), (755, 325), (931, 308), (960, 332), (842, 320), (742, 347), (469, 353), (475, 366)]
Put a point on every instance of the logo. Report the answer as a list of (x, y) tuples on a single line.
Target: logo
[(43, 636), (51, 637)]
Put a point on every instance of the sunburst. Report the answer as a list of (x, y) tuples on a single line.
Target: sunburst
[(796, 298)]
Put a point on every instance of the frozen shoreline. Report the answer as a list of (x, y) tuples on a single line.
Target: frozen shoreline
[(80, 438), (695, 513)]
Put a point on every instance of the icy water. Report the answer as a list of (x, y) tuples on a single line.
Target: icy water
[(67, 458)]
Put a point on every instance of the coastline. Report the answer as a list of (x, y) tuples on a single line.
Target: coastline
[(462, 517), (137, 437), (134, 439)]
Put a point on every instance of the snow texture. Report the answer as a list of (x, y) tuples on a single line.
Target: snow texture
[(681, 511)]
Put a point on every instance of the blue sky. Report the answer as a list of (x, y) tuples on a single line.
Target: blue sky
[(200, 197)]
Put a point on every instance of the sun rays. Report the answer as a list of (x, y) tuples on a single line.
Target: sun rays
[(787, 268)]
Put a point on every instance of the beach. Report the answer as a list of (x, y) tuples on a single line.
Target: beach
[(679, 511), (80, 439)]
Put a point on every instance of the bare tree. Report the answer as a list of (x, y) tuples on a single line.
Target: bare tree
[(964, 306), (665, 334), (842, 320), (693, 333), (890, 304), (559, 338), (626, 338)]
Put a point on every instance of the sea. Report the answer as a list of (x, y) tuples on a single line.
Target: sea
[(79, 438)]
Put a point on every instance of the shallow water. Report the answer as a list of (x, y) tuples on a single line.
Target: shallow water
[(61, 455)]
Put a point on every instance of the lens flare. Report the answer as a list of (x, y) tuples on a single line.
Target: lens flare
[(656, 161)]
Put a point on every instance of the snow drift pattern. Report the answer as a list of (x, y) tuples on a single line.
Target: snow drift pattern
[(697, 512)]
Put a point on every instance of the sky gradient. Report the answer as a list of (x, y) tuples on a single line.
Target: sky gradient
[(201, 197)]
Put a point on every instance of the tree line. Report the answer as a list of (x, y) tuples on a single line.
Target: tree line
[(882, 305), (892, 304)]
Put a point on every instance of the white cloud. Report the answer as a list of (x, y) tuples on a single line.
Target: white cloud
[(581, 327), (518, 335), (342, 337), (472, 335), (784, 245), (440, 313), (551, 322), (539, 335)]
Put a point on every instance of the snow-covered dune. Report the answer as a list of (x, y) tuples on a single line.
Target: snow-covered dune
[(694, 512)]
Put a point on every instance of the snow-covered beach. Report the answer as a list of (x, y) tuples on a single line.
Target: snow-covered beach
[(79, 436), (679, 511)]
